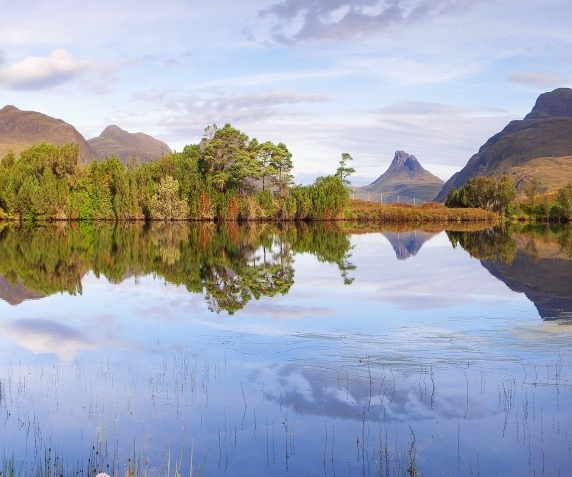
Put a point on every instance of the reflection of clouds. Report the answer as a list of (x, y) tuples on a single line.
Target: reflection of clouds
[(47, 336), (289, 312), (425, 281), (382, 394)]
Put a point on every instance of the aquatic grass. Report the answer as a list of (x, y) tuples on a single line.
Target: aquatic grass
[(50, 463)]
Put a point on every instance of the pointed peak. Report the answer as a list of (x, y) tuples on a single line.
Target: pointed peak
[(557, 103), (9, 108), (405, 161), (112, 129), (400, 157)]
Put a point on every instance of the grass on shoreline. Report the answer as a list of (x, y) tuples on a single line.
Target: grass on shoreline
[(429, 212)]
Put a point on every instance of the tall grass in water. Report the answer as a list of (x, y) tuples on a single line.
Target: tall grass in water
[(100, 463)]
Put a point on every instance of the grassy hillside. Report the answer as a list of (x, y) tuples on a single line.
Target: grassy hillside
[(552, 172)]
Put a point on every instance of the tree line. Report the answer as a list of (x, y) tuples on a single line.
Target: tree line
[(500, 194), (227, 176)]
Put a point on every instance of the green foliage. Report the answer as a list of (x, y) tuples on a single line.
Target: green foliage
[(226, 177), (344, 171), (166, 203), (329, 196), (484, 192), (565, 201)]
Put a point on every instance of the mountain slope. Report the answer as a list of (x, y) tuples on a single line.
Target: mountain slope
[(22, 129), (115, 141), (546, 132), (404, 181)]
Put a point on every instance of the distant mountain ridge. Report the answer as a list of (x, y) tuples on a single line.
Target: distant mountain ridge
[(404, 181), (20, 130), (115, 141), (544, 133)]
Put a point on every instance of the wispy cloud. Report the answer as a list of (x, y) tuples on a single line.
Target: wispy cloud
[(238, 109), (540, 80), (47, 336), (36, 73), (300, 21)]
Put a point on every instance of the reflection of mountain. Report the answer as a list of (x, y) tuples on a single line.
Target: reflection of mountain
[(547, 282), (16, 294), (407, 244)]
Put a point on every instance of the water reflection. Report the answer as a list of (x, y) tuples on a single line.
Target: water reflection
[(407, 244), (231, 265), (534, 260), (428, 365)]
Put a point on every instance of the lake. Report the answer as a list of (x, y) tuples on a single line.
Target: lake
[(315, 350)]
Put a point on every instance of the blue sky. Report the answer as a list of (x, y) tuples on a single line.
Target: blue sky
[(435, 78)]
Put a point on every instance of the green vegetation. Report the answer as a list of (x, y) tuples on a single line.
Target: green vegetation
[(228, 263), (500, 196), (226, 177), (488, 193)]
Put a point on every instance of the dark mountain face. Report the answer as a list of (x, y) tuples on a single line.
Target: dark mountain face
[(545, 132), (115, 141), (22, 129), (404, 180), (557, 103), (545, 281)]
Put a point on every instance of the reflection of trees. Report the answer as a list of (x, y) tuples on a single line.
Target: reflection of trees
[(329, 242), (495, 243), (230, 264)]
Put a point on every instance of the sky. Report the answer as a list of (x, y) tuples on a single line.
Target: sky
[(434, 78)]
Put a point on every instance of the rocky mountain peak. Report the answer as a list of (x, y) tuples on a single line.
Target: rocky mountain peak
[(404, 180), (112, 131), (408, 162), (9, 109), (557, 103)]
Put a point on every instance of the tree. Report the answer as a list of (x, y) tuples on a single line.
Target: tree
[(166, 204), (265, 154), (486, 193), (227, 148), (565, 200), (344, 171), (281, 162), (504, 194), (532, 190)]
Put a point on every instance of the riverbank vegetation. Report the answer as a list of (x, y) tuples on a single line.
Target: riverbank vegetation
[(228, 176), (499, 195)]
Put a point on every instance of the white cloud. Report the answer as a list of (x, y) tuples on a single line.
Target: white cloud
[(36, 73), (47, 336)]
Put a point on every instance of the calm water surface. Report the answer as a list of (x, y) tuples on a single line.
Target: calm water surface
[(304, 351)]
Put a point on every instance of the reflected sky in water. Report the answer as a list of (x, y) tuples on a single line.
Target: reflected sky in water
[(427, 355)]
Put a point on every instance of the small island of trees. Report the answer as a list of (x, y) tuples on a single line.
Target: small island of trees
[(227, 176)]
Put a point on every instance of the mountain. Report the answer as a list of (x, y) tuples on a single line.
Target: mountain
[(407, 244), (22, 129), (16, 294), (545, 280), (115, 141), (545, 134), (404, 181)]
